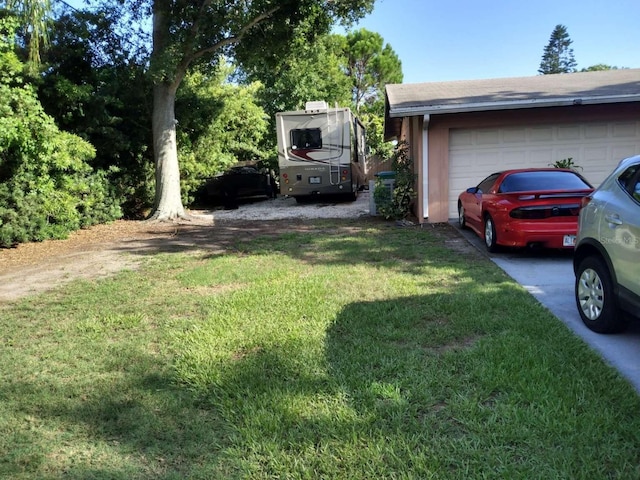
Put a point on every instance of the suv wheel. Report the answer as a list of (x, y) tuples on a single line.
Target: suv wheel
[(595, 299)]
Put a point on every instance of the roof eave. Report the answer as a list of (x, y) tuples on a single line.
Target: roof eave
[(508, 105)]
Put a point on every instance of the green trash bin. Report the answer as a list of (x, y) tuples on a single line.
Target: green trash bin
[(388, 180), (387, 174)]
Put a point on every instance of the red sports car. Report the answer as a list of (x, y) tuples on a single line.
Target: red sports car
[(519, 208)]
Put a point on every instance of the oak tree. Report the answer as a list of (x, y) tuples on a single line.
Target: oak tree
[(188, 33)]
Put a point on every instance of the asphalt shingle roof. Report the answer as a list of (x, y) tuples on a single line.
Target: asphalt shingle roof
[(499, 93)]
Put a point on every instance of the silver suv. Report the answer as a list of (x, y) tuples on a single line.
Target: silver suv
[(607, 253)]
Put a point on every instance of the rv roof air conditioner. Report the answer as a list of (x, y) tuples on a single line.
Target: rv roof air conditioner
[(316, 107)]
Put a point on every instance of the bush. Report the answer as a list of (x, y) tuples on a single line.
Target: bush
[(47, 188), (567, 163), (52, 190), (396, 204), (220, 125)]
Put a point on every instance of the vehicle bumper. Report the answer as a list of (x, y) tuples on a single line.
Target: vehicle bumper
[(541, 233)]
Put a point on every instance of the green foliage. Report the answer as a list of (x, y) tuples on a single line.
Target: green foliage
[(47, 187), (311, 71), (35, 16), (599, 67), (372, 117), (220, 125), (370, 65), (397, 204), (566, 163), (96, 86), (290, 25), (558, 54)]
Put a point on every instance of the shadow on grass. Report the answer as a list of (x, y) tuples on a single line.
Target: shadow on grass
[(403, 385), (349, 240), (127, 424), (367, 241)]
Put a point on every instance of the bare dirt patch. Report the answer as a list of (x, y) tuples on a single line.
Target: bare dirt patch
[(34, 267), (107, 249), (103, 250)]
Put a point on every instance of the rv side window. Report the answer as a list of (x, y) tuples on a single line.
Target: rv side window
[(306, 138)]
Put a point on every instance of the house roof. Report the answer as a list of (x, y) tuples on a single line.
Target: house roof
[(417, 99)]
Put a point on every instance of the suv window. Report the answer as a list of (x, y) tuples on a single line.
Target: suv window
[(630, 181)]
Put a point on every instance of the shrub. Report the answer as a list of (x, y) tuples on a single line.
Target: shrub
[(220, 124), (47, 188), (567, 163), (396, 204)]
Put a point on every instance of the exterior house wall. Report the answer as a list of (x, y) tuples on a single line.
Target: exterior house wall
[(438, 174), (439, 126), (411, 133), (416, 153)]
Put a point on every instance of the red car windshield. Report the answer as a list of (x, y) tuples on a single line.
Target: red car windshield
[(543, 180)]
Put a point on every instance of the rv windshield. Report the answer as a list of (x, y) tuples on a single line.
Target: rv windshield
[(306, 138)]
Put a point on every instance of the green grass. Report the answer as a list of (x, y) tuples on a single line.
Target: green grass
[(350, 350)]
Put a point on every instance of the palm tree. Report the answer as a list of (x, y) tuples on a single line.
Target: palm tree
[(34, 16)]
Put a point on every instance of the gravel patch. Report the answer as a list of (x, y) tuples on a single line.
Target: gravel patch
[(283, 208)]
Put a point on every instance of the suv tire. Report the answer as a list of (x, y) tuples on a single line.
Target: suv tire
[(595, 297)]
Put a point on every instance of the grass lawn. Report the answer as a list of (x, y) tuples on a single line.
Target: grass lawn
[(347, 350)]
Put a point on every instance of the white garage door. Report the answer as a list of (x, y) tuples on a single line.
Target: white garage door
[(596, 147)]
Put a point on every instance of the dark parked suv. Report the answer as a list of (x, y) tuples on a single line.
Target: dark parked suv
[(607, 253), (241, 181)]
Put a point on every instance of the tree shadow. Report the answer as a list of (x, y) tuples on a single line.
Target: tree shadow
[(383, 377), (127, 424), (322, 242)]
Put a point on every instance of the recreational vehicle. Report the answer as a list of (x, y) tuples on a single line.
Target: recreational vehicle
[(321, 151)]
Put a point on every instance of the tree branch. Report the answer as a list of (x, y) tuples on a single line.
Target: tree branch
[(195, 28), (188, 59)]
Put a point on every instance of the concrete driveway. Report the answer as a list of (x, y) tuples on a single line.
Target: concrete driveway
[(549, 277)]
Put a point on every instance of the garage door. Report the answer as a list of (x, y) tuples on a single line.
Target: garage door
[(596, 147)]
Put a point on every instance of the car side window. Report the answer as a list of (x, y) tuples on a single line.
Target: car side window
[(630, 181), (485, 185), (634, 187)]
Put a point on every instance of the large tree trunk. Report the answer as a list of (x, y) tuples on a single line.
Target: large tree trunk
[(168, 203)]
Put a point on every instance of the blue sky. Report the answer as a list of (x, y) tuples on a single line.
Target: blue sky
[(442, 40)]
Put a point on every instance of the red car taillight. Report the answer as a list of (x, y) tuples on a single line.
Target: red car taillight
[(546, 211)]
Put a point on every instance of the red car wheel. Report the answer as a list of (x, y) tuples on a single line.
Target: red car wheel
[(490, 239)]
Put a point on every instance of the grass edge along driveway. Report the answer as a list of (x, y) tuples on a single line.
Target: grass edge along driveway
[(344, 349)]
